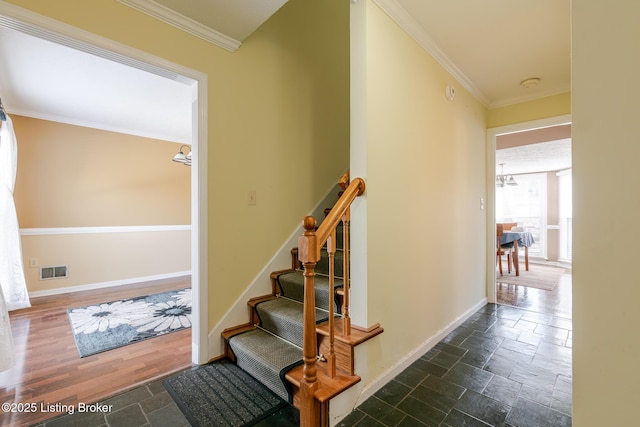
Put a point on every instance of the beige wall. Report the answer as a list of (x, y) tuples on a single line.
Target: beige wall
[(606, 205), (105, 259), (278, 121), (72, 177)]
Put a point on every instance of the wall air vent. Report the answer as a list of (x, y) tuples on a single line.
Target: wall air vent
[(57, 272)]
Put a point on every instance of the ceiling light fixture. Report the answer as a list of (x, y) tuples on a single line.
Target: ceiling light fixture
[(502, 179), (530, 82), (182, 158)]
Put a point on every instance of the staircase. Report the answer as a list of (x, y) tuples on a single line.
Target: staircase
[(305, 369)]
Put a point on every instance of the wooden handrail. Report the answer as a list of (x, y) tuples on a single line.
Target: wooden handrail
[(309, 248), (356, 188)]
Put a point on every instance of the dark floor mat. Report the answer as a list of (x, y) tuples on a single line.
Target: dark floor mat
[(222, 394)]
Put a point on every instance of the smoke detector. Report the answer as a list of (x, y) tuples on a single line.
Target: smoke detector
[(449, 92), (530, 83)]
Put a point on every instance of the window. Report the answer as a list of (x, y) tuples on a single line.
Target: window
[(565, 214), (526, 204)]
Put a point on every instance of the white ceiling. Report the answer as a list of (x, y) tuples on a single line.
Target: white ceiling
[(540, 157), (489, 45), (47, 80), (234, 18), (536, 150), (496, 44)]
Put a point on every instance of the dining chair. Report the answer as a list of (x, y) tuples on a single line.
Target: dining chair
[(526, 249), (504, 250)]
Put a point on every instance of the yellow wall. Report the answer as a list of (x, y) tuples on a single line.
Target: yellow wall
[(281, 127), (543, 108), (81, 178), (252, 125), (425, 170), (264, 107), (278, 102), (606, 206)]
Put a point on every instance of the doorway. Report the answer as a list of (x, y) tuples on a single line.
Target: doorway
[(62, 34), (534, 204)]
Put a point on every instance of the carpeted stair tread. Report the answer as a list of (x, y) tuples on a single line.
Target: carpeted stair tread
[(292, 286), (220, 393), (284, 317), (266, 358)]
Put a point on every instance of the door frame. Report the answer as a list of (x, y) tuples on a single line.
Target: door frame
[(492, 134), (57, 32)]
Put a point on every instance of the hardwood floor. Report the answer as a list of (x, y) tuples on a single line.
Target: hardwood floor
[(49, 370)]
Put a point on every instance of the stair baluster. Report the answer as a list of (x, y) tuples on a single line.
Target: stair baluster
[(331, 250), (309, 255)]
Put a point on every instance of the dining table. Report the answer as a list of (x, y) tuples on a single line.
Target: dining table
[(518, 239)]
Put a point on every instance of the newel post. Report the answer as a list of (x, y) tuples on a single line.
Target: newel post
[(308, 254)]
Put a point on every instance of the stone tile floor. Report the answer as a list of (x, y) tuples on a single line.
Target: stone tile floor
[(504, 366), (149, 405)]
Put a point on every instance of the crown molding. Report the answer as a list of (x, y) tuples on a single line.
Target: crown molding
[(31, 23), (188, 25), (398, 14)]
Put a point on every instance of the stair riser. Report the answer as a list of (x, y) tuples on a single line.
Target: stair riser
[(343, 352)]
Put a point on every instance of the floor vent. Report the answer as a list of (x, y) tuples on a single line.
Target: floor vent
[(57, 272)]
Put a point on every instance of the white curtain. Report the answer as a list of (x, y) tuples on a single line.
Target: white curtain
[(14, 287), (7, 356)]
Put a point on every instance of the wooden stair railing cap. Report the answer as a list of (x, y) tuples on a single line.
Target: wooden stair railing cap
[(356, 188), (314, 237)]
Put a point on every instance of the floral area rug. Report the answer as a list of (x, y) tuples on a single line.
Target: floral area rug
[(102, 327)]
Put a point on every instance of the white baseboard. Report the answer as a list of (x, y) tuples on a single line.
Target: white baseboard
[(110, 284), (371, 388)]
